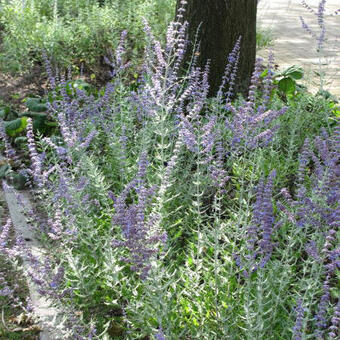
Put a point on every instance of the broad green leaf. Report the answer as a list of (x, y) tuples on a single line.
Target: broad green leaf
[(287, 85), (39, 123), (6, 113), (19, 181), (16, 126), (39, 108), (33, 114), (35, 105), (31, 101), (4, 170), (294, 72)]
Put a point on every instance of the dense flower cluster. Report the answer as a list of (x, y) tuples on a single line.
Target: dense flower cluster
[(140, 238), (250, 124), (317, 209), (259, 239)]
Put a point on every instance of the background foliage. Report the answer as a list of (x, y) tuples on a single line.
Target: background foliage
[(74, 32)]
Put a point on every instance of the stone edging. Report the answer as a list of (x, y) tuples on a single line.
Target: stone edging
[(17, 211)]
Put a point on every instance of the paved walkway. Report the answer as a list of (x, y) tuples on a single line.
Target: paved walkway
[(293, 45)]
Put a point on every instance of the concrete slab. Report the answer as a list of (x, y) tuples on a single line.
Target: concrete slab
[(293, 45), (17, 210)]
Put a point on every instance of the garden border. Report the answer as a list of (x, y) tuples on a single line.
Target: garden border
[(17, 211)]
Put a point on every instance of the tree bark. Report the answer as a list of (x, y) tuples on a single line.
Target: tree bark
[(220, 24)]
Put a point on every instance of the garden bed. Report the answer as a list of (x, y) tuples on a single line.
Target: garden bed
[(165, 214)]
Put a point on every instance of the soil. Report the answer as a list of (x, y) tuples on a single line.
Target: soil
[(13, 89)]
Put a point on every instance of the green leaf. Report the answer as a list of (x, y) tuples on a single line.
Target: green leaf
[(287, 85), (31, 101), (16, 126), (39, 108), (3, 113), (264, 73), (15, 96), (19, 181), (39, 123), (336, 113), (294, 72), (21, 139), (51, 124), (33, 114), (35, 105), (6, 113), (81, 85), (4, 170)]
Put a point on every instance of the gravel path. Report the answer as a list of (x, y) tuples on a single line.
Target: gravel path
[(293, 45)]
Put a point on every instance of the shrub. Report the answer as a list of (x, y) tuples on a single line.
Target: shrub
[(166, 212)]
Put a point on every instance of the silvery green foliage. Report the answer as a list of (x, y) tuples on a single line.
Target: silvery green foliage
[(165, 223)]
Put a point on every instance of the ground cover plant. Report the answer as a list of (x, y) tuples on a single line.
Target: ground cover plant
[(73, 32), (171, 215)]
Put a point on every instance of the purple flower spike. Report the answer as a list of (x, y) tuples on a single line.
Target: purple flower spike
[(4, 235), (137, 228), (297, 330), (334, 329), (35, 157), (160, 335)]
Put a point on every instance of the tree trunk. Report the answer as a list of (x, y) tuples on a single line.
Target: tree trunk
[(220, 24)]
